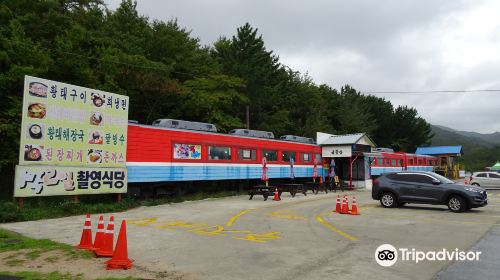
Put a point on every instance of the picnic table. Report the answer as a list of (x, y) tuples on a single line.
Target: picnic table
[(292, 189), (265, 191), (316, 187)]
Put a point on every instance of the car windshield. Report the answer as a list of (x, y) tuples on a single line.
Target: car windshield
[(443, 179)]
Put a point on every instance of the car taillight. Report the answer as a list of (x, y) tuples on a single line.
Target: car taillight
[(376, 182)]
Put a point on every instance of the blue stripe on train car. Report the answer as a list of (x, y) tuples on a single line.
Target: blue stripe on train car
[(138, 174), (375, 170), (420, 168)]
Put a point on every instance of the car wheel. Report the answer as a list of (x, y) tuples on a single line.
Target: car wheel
[(457, 204), (388, 200)]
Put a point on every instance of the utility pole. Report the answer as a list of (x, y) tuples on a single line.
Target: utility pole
[(248, 116)]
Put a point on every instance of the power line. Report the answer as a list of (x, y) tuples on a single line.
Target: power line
[(432, 91)]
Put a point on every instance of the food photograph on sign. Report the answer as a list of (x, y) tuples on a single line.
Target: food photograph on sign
[(94, 156), (38, 89), (96, 137), (97, 99), (96, 118), (33, 152), (37, 110), (35, 131)]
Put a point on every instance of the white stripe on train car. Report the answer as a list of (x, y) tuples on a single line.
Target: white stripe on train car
[(214, 164)]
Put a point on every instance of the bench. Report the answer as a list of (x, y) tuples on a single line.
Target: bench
[(265, 191), (292, 189), (316, 187)]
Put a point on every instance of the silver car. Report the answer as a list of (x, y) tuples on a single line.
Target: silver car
[(485, 179)]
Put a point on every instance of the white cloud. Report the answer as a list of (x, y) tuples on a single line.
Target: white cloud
[(372, 45)]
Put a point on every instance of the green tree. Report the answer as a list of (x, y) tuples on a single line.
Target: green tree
[(246, 56), (214, 99)]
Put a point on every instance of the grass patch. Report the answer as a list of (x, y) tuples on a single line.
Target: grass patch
[(54, 276), (11, 241), (14, 262), (52, 259), (56, 207), (33, 255)]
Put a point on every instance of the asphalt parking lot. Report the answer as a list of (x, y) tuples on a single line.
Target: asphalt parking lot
[(296, 238)]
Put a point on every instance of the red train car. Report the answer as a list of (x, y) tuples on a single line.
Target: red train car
[(399, 161), (158, 154)]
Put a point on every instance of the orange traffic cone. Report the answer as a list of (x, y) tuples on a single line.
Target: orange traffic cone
[(120, 258), (106, 249), (338, 207), (354, 210), (321, 179), (276, 195), (345, 206), (99, 236), (86, 240)]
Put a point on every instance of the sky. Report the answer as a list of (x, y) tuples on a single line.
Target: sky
[(384, 46)]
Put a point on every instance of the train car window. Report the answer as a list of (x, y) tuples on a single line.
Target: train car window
[(410, 161), (219, 153), (400, 162), (393, 162), (419, 162), (387, 162), (270, 155), (247, 154), (306, 157), (286, 156)]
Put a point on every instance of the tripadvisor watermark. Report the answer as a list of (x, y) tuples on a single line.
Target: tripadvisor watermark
[(388, 255)]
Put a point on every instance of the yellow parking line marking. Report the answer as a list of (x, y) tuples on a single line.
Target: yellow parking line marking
[(235, 217), (287, 214), (334, 229)]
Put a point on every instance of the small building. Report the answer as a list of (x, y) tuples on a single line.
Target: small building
[(349, 154), (449, 163)]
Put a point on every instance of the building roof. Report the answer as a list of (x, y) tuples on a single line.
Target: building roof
[(440, 150), (348, 139)]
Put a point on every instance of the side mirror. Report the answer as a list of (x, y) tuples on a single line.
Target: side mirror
[(436, 182)]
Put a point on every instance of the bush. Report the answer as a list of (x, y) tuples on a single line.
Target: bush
[(9, 212)]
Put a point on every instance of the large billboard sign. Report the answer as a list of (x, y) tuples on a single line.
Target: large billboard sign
[(65, 125), (68, 125)]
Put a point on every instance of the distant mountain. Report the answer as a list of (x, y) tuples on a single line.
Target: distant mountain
[(480, 150), (447, 136), (492, 138)]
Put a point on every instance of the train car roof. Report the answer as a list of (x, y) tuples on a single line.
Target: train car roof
[(220, 134)]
